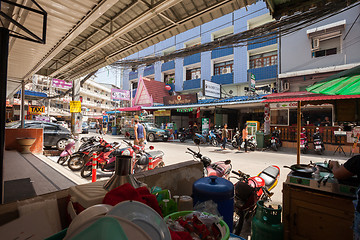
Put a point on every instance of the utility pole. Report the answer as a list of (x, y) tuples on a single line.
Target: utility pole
[(76, 118)]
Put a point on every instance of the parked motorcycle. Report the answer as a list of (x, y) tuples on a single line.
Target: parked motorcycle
[(104, 160), (201, 137), (304, 144), (275, 140), (185, 134), (214, 138), (219, 169), (249, 190), (238, 142), (71, 147), (319, 146)]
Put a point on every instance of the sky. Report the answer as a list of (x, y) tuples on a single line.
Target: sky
[(108, 75)]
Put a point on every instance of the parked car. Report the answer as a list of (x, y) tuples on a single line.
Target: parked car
[(54, 134), (153, 132), (63, 123), (85, 127), (92, 125)]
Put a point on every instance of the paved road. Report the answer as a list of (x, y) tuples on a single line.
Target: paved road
[(251, 163)]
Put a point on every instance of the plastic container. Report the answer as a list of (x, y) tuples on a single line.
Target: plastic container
[(221, 191), (260, 139), (222, 223), (266, 223)]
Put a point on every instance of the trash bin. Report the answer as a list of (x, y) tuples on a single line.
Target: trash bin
[(114, 130), (260, 139)]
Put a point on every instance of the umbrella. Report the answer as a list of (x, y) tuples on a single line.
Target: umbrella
[(343, 83)]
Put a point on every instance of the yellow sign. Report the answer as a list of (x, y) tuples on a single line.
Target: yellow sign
[(36, 110), (75, 106), (161, 113)]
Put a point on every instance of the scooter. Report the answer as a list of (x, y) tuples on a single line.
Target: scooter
[(238, 142), (201, 137), (304, 145), (319, 146), (214, 138), (249, 190), (71, 147), (104, 160), (220, 169), (275, 140), (185, 134)]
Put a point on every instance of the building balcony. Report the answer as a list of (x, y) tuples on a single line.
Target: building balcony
[(195, 58), (263, 73), (221, 52), (150, 70), (267, 41), (168, 66), (192, 84), (223, 78), (133, 75)]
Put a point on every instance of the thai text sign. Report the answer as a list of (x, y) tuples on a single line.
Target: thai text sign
[(36, 110), (75, 106), (283, 105), (58, 83), (120, 94), (180, 99), (162, 113), (211, 89), (252, 82)]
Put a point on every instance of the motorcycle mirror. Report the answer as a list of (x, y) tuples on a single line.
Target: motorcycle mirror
[(227, 162), (197, 141), (151, 147)]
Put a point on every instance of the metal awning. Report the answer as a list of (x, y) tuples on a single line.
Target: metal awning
[(83, 36), (304, 96)]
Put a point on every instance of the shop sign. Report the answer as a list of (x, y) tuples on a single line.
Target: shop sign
[(211, 89), (162, 113), (284, 105), (181, 99), (42, 118), (120, 94), (75, 106), (36, 110), (252, 82), (205, 126), (58, 83), (184, 109)]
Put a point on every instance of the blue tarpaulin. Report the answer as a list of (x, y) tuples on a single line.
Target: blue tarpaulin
[(33, 93)]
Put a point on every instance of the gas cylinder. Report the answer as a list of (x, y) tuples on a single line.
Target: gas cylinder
[(221, 191), (266, 224)]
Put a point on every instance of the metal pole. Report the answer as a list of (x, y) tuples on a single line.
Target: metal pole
[(4, 53), (22, 107), (298, 132)]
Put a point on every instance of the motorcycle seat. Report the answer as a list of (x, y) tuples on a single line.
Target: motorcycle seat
[(142, 160), (269, 175), (155, 154)]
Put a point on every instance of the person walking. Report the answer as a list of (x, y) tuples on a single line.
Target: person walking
[(224, 136), (140, 133), (245, 137)]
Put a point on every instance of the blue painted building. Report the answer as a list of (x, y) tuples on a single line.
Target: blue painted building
[(228, 66)]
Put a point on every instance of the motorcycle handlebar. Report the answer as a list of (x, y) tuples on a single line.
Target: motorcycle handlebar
[(198, 155)]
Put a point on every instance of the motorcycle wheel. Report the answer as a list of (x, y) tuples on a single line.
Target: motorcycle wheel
[(214, 142), (252, 147), (160, 165), (234, 144), (63, 160), (274, 147), (238, 224), (182, 139), (86, 171), (76, 162)]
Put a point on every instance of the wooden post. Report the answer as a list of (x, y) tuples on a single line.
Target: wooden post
[(298, 132)]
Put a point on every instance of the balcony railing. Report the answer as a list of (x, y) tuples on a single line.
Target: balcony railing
[(192, 84)]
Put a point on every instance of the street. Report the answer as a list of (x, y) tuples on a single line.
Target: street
[(251, 163)]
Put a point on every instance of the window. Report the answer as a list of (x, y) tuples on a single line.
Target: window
[(88, 99), (263, 60), (193, 73), (279, 117), (223, 68), (134, 85), (169, 78), (325, 47)]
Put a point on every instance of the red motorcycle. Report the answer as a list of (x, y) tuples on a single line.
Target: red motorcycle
[(220, 169), (143, 160), (104, 160), (249, 190)]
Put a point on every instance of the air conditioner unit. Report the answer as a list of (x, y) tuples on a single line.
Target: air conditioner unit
[(286, 86), (225, 70), (315, 44), (197, 76)]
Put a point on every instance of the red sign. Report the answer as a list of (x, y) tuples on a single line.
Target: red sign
[(181, 99)]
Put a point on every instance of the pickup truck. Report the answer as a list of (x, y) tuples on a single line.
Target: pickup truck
[(153, 132)]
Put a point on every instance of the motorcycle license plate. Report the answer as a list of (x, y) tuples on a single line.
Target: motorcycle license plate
[(273, 140), (302, 145), (165, 136), (317, 147)]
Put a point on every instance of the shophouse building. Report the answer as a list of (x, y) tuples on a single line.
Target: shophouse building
[(228, 66)]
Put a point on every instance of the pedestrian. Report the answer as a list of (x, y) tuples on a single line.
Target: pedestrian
[(345, 171), (224, 136), (175, 129), (140, 133), (245, 137)]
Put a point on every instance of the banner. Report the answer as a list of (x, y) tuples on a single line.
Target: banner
[(36, 110), (252, 83), (58, 83), (205, 126), (181, 99), (211, 89), (120, 94), (75, 106), (42, 118)]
